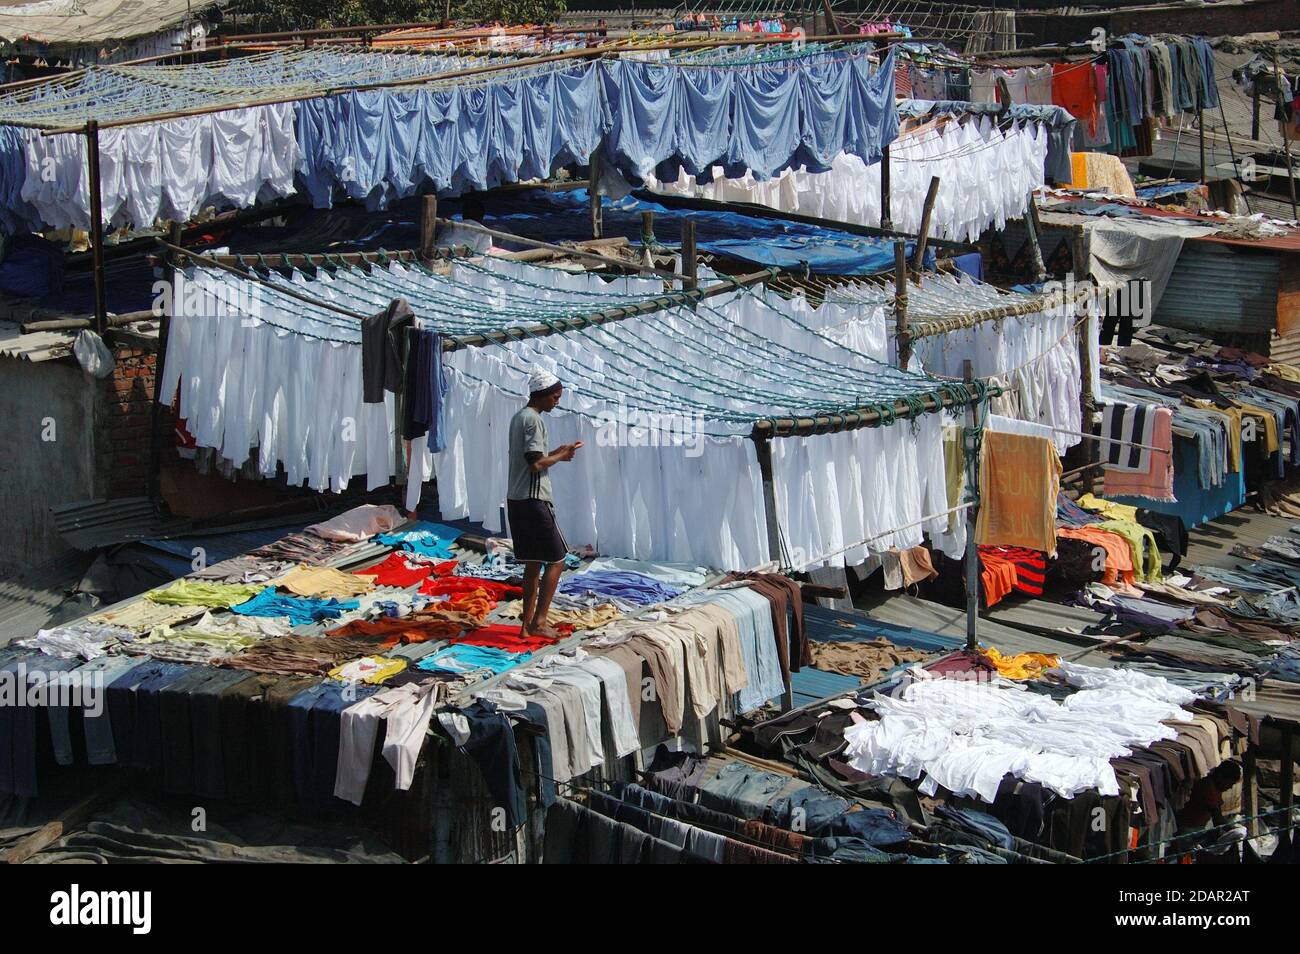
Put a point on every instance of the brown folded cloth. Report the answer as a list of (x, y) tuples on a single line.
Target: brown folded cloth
[(422, 626)]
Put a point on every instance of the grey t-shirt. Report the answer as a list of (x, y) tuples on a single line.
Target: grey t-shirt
[(527, 436)]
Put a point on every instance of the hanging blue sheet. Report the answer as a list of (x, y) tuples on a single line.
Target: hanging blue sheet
[(380, 145)]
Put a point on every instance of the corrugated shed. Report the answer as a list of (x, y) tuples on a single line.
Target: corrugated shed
[(95, 21), (1217, 290), (1285, 349), (29, 601), (88, 524), (935, 618), (811, 684), (37, 346), (828, 625)]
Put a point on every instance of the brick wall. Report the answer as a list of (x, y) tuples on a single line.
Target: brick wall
[(124, 428)]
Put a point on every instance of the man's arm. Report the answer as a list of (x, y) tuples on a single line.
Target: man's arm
[(539, 462)]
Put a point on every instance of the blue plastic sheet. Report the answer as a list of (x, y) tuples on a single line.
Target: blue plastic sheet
[(562, 216)]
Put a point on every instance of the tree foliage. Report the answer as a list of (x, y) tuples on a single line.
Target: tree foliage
[(275, 15)]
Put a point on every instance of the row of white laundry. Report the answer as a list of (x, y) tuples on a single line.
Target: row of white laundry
[(668, 471), (164, 170), (985, 175), (1035, 357)]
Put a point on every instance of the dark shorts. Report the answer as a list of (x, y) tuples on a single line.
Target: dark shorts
[(535, 533)]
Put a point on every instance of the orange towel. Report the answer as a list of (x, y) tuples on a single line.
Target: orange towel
[(1019, 480)]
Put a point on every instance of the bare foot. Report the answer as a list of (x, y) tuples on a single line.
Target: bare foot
[(545, 631)]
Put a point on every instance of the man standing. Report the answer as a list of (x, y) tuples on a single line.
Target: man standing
[(533, 529)]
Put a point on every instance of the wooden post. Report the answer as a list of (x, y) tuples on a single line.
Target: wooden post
[(831, 28), (1249, 791), (1034, 228), (1087, 400), (1200, 138), (647, 237), (927, 212), (886, 215), (1286, 781), (1254, 111), (902, 338), (972, 489), (593, 197), (96, 226), (690, 260), (763, 450), (1286, 146), (160, 360), (428, 226)]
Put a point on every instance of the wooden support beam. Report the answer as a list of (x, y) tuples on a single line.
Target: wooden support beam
[(160, 359), (927, 212), (972, 553), (767, 212), (902, 339), (886, 214), (96, 226), (675, 299), (1200, 140), (594, 209), (690, 258), (75, 817), (763, 450), (1286, 149), (428, 226), (1035, 229), (577, 253)]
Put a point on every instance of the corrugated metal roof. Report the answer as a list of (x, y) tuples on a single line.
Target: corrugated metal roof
[(1211, 543), (809, 685), (935, 618), (29, 601), (37, 346), (1272, 699), (1215, 290), (88, 524), (96, 21), (828, 625)]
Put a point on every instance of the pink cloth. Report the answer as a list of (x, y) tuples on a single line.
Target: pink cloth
[(1158, 482), (359, 523)]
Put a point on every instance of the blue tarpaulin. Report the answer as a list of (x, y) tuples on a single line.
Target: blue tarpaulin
[(562, 216)]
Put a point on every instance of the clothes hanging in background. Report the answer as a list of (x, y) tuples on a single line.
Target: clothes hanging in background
[(1000, 166)]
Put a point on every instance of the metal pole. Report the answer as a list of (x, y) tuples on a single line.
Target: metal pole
[(96, 226), (927, 211), (159, 365), (1254, 111), (972, 490), (428, 226), (903, 340), (690, 259)]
